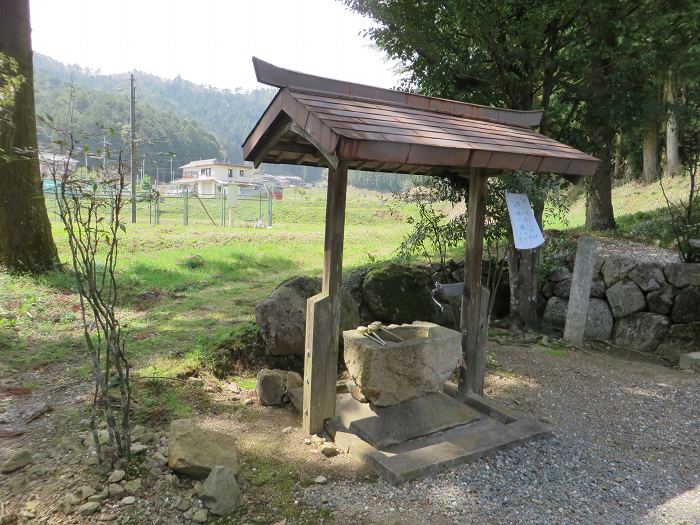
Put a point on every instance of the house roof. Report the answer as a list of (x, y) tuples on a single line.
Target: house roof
[(317, 121), (212, 162)]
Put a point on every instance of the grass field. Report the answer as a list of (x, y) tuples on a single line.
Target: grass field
[(640, 211), (169, 307)]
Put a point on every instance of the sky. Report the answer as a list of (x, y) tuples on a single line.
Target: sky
[(210, 42)]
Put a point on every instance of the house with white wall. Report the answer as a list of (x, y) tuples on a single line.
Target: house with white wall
[(211, 177)]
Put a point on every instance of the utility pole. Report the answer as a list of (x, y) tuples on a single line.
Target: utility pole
[(172, 177), (104, 154), (143, 166), (132, 122)]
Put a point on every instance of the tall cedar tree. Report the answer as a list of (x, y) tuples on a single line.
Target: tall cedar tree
[(26, 243), (583, 63)]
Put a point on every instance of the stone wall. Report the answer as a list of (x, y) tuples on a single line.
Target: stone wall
[(649, 307)]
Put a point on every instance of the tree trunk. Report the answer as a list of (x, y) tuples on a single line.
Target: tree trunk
[(599, 209), (673, 158), (523, 282), (650, 153), (26, 243), (523, 266), (617, 170)]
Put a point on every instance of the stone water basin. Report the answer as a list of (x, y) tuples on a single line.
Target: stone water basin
[(388, 375)]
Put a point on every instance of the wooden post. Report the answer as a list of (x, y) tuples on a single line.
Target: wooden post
[(471, 375), (323, 313), (581, 281)]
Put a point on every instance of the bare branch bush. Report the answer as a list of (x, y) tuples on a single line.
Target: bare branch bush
[(91, 214), (685, 217)]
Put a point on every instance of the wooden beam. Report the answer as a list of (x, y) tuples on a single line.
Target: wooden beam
[(323, 313), (471, 376), (328, 155), (270, 143)]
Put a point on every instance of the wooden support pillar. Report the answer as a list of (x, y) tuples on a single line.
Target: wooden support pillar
[(471, 375), (323, 313)]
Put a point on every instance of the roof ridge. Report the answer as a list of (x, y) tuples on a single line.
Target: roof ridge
[(272, 75)]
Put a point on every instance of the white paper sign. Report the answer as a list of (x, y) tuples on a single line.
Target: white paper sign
[(526, 232)]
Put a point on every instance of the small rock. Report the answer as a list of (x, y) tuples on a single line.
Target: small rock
[(233, 387), (128, 500), (159, 459), (287, 430), (220, 492), (321, 480), (86, 491), (96, 497), (149, 437), (307, 441), (329, 450), (103, 437), (116, 476), (133, 486), (15, 461), (247, 402), (137, 448), (89, 508), (115, 489), (71, 499), (200, 516), (38, 471), (184, 505)]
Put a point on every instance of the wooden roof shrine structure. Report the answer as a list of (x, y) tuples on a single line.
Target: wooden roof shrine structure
[(316, 121)]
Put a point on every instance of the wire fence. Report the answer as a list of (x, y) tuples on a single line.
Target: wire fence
[(251, 207)]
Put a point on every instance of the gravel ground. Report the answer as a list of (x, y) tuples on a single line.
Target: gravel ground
[(626, 450)]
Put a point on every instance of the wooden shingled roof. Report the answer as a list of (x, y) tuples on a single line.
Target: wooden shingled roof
[(315, 121)]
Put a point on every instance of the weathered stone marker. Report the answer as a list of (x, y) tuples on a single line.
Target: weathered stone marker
[(581, 282)]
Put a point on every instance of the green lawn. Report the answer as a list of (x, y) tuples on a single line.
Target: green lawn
[(640, 211), (166, 305)]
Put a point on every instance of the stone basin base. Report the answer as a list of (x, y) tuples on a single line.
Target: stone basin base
[(419, 365)]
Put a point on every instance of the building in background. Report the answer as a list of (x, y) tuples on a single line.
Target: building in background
[(50, 163), (211, 177)]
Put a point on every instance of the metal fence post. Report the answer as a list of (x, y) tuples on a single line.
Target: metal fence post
[(157, 208), (223, 208), (269, 211), (185, 204)]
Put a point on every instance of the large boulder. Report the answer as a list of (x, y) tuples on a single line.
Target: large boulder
[(661, 301), (194, 451), (563, 288), (625, 298), (273, 385), (598, 288), (615, 268), (680, 339), (599, 320), (16, 460), (388, 375), (399, 294), (679, 274), (686, 308), (282, 315), (642, 331), (648, 276), (220, 491)]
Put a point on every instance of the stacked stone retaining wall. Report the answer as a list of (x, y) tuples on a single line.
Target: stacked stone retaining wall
[(645, 306)]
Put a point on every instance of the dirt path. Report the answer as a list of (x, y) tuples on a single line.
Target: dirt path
[(626, 450)]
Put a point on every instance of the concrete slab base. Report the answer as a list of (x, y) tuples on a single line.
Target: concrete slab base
[(690, 361), (477, 428)]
